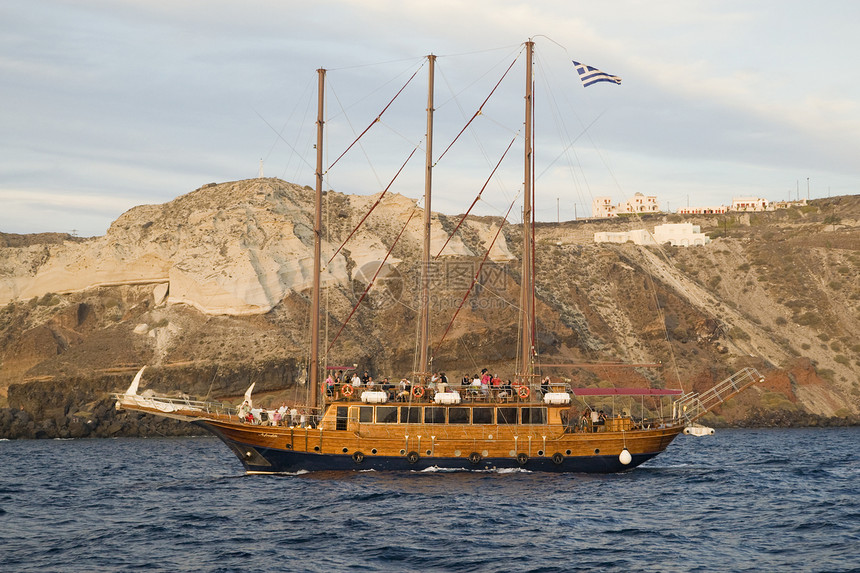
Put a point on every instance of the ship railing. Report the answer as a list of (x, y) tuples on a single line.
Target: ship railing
[(468, 394), (167, 405), (694, 405), (220, 410)]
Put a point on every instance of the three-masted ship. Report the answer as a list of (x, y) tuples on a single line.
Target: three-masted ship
[(530, 424)]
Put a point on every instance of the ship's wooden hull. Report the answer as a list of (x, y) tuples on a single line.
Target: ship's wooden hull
[(279, 450), (356, 436), (423, 434)]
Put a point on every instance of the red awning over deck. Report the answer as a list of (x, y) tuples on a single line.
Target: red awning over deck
[(625, 392)]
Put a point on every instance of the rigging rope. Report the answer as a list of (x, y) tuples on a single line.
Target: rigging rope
[(378, 118), (475, 279), (469, 210), (477, 113), (370, 284), (366, 215)]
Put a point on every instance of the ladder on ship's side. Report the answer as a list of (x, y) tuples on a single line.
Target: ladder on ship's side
[(694, 405)]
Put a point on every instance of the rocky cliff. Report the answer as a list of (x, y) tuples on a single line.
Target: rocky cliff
[(211, 290)]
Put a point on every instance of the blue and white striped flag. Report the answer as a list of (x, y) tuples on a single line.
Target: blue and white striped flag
[(590, 75)]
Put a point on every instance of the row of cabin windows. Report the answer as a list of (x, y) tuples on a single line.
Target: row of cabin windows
[(442, 415)]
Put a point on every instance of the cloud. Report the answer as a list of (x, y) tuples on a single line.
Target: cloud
[(148, 100)]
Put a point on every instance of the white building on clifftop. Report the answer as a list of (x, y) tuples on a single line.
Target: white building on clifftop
[(680, 235), (602, 207), (675, 234)]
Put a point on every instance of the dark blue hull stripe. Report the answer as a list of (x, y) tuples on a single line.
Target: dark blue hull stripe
[(269, 460)]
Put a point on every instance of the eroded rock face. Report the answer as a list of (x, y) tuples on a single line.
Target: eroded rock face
[(235, 248), (214, 284)]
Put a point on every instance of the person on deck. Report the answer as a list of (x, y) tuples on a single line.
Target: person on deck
[(244, 410), (388, 387), (403, 389), (594, 420)]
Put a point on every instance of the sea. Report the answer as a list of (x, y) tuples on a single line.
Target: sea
[(740, 500)]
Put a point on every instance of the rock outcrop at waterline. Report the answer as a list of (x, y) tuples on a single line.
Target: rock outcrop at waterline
[(83, 407), (218, 279)]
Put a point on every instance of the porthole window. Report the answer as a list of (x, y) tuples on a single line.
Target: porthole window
[(596, 450), (402, 452), (429, 452), (345, 450), (567, 452), (373, 451), (540, 452)]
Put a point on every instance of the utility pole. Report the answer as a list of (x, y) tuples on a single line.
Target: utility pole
[(557, 210), (807, 188)]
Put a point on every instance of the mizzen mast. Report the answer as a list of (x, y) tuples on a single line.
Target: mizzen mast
[(424, 336), (526, 351), (313, 371)]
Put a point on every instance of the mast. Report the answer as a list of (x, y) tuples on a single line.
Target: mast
[(313, 372), (424, 337), (527, 286)]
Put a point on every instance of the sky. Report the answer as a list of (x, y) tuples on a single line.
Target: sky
[(105, 105)]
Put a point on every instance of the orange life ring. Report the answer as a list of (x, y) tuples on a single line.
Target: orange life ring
[(523, 392), (418, 391), (346, 390)]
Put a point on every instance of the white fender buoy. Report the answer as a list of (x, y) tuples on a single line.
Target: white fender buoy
[(132, 390), (624, 457)]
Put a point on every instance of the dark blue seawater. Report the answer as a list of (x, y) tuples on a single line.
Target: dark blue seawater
[(742, 500)]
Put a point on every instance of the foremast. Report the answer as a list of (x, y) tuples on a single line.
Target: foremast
[(423, 366), (313, 370), (525, 360)]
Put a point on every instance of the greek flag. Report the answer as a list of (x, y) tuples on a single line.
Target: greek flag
[(590, 75)]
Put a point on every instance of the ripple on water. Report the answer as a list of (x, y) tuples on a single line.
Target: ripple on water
[(739, 500)]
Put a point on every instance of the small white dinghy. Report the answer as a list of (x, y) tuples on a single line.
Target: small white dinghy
[(698, 430)]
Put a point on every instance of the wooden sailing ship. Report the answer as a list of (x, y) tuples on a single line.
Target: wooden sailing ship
[(529, 424)]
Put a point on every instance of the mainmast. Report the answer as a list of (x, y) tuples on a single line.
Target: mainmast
[(527, 284), (424, 336), (313, 371)]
